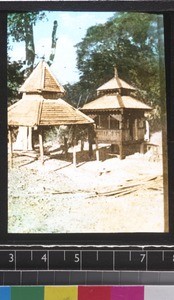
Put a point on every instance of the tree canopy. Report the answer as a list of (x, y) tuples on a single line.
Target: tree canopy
[(20, 29), (15, 78), (129, 41)]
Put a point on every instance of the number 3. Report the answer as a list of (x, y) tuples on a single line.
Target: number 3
[(11, 257)]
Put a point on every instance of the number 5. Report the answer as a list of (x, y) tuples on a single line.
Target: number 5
[(77, 258)]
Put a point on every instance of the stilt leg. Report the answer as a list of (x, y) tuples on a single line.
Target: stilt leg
[(41, 146)]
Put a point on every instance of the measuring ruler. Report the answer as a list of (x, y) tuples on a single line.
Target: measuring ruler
[(64, 266)]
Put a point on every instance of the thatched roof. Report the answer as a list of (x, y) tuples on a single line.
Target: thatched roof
[(114, 102), (34, 110), (41, 80)]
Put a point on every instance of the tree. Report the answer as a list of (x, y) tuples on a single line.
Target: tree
[(20, 28), (129, 41), (15, 78), (24, 23), (54, 42)]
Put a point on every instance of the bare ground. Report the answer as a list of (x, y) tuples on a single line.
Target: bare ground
[(112, 195)]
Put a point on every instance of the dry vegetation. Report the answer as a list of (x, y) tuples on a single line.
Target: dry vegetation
[(112, 195)]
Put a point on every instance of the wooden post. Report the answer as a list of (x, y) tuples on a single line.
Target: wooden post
[(41, 145), (74, 149), (142, 148), (66, 147), (10, 149), (74, 156), (121, 139), (82, 145), (97, 150), (29, 139), (121, 151), (90, 128)]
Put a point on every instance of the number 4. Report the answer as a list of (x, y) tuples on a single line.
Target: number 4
[(44, 257)]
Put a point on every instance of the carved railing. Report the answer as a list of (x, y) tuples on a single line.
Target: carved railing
[(114, 136)]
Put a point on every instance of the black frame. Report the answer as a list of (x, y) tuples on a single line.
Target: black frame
[(108, 239)]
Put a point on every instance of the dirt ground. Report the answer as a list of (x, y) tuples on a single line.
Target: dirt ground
[(111, 195)]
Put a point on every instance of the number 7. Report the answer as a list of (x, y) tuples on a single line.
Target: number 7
[(143, 255)]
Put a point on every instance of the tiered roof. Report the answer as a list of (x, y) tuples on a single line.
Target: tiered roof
[(114, 95), (34, 109), (115, 84), (115, 102)]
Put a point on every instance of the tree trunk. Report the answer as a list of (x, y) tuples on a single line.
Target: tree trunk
[(24, 138), (54, 42), (29, 47)]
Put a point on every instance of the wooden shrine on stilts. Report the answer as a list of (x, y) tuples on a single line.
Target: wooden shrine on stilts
[(41, 106), (119, 117)]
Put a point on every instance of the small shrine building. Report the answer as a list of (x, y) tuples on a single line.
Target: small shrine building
[(119, 117)]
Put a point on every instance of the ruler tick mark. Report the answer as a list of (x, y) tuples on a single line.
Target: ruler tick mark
[(97, 255), (130, 256), (48, 260), (81, 264), (31, 255), (20, 277), (113, 253), (146, 260), (15, 259), (64, 255)]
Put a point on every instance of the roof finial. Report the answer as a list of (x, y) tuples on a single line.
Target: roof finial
[(115, 72)]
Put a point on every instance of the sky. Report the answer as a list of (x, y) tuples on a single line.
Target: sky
[(72, 27)]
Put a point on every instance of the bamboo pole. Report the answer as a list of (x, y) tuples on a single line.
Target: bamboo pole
[(41, 146)]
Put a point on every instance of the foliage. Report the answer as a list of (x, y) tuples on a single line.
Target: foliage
[(17, 23), (77, 94), (15, 77), (129, 41), (20, 28)]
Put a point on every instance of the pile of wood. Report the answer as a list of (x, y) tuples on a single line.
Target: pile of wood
[(151, 183)]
